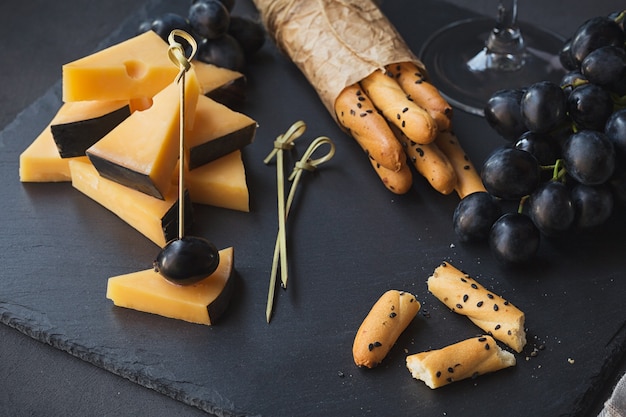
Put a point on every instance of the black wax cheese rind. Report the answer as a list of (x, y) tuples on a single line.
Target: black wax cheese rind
[(169, 222), (74, 138), (221, 146), (122, 175)]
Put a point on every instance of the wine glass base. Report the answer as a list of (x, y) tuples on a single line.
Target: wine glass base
[(448, 51)]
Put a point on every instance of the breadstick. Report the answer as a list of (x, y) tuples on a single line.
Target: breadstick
[(466, 359), (390, 98), (398, 182), (424, 94), (380, 330), (489, 311), (468, 179), (357, 114), (431, 163)]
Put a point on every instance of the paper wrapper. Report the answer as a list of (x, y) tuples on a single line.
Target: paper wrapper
[(335, 43)]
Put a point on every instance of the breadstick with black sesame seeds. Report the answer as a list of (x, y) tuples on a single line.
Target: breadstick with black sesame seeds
[(398, 182), (469, 358), (398, 109), (468, 179), (382, 326), (413, 81), (431, 163), (489, 311), (357, 114)]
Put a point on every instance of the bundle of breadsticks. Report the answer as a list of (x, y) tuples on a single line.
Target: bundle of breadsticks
[(375, 88)]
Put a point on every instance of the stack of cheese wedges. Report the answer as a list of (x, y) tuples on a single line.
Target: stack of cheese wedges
[(116, 138)]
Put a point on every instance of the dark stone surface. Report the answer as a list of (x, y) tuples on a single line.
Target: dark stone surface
[(59, 247)]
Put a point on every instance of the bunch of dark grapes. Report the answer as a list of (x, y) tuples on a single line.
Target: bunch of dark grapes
[(224, 39), (563, 167)]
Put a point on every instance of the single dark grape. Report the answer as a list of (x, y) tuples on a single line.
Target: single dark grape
[(605, 66), (589, 157), (249, 33), (166, 23), (503, 114), (590, 106), (224, 52), (550, 208), (615, 130), (187, 260), (541, 145), (593, 34), (543, 106), (514, 239), (474, 216), (510, 173), (572, 80), (209, 18), (229, 4), (565, 56), (593, 204)]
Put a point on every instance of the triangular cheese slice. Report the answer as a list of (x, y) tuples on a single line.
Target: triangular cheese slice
[(221, 183), (80, 124), (41, 162), (202, 303), (137, 67), (154, 218), (219, 131), (142, 151)]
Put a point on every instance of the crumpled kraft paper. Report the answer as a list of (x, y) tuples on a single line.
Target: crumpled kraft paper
[(335, 43)]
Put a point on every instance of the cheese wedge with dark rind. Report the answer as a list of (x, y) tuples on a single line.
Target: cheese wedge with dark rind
[(223, 85), (218, 132), (156, 219), (78, 125), (41, 162), (201, 303), (142, 151), (220, 183)]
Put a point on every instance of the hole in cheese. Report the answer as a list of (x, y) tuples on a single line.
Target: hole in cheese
[(136, 69)]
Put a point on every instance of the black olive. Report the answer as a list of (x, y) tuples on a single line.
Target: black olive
[(187, 260)]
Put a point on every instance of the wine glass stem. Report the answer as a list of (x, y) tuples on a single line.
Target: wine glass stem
[(504, 48)]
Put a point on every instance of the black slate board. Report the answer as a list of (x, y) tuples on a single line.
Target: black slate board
[(350, 241)]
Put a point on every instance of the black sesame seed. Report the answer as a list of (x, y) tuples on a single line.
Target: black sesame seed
[(459, 306), (497, 327), (490, 296), (482, 339), (420, 151), (465, 297), (486, 346), (466, 167), (495, 307), (509, 333), (377, 344), (474, 286), (438, 374), (363, 114), (370, 347), (361, 98), (392, 315), (404, 110), (463, 279), (403, 123), (506, 303), (398, 116), (358, 92), (449, 379), (352, 112), (451, 370), (479, 304), (369, 111), (359, 105)]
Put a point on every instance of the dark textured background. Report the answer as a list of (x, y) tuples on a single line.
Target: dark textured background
[(42, 380)]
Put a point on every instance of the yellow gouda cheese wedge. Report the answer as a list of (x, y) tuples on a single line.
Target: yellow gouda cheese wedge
[(79, 124), (221, 183), (41, 162), (213, 78), (218, 132), (142, 151), (155, 218), (202, 303), (137, 67)]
